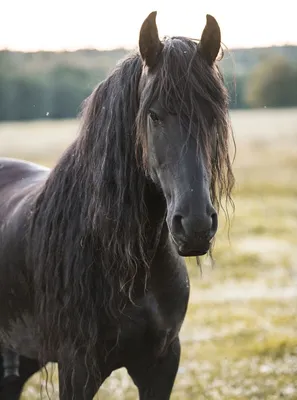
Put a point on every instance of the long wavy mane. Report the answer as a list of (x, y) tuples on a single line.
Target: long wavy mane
[(89, 224)]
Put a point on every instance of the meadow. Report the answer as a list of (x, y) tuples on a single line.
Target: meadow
[(239, 339)]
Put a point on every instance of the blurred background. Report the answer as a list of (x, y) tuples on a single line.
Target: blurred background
[(239, 338)]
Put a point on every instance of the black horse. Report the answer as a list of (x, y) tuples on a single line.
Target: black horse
[(92, 274)]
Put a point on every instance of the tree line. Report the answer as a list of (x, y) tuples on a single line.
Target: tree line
[(53, 85)]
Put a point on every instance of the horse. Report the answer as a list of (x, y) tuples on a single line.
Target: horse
[(92, 272)]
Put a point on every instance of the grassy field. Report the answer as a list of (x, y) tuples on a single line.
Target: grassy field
[(239, 340)]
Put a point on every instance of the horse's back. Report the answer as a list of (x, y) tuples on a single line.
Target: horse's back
[(13, 171), (19, 186), (18, 179)]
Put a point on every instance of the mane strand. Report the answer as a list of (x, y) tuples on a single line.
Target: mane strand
[(88, 222)]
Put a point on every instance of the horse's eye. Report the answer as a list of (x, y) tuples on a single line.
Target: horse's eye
[(154, 117)]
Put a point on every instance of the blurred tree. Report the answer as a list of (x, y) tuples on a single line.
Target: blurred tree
[(236, 89), (67, 88), (21, 97), (48, 84), (57, 93), (273, 83)]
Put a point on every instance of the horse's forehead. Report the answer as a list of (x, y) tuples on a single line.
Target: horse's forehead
[(145, 79)]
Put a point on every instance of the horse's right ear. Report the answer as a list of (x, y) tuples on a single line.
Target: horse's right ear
[(150, 45), (210, 40)]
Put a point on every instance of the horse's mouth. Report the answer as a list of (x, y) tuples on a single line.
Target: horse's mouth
[(184, 250)]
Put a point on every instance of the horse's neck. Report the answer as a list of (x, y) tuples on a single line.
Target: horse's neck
[(169, 282), (156, 208), (165, 256), (168, 286)]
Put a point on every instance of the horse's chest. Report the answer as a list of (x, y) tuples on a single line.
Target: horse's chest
[(19, 336), (149, 321)]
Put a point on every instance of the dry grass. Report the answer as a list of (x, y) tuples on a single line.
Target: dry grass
[(239, 339)]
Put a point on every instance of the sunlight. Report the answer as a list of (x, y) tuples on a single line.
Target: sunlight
[(70, 24)]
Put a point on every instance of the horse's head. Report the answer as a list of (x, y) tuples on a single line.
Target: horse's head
[(183, 128)]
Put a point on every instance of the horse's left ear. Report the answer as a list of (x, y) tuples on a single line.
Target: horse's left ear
[(210, 40), (150, 45)]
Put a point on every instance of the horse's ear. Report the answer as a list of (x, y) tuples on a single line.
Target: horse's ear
[(150, 45), (210, 40)]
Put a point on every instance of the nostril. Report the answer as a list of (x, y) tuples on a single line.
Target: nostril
[(214, 224), (177, 225), (195, 228)]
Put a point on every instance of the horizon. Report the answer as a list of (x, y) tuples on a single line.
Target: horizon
[(66, 26), (129, 49)]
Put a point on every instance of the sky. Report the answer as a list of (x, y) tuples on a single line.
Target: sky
[(31, 25)]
